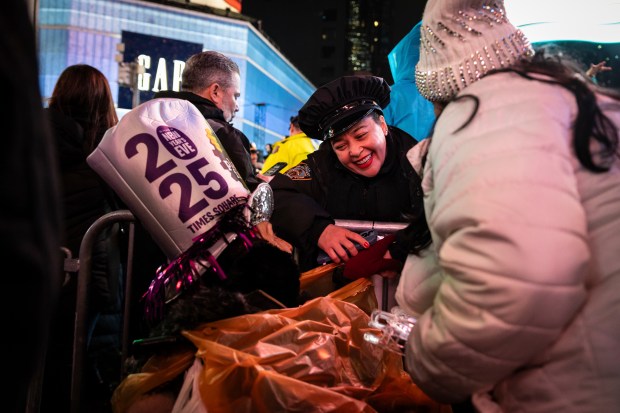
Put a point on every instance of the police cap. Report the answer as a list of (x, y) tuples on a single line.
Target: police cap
[(336, 106)]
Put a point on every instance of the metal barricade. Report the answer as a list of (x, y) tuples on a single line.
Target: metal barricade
[(383, 228), (81, 309)]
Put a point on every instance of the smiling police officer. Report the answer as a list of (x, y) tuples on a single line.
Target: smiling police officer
[(360, 172)]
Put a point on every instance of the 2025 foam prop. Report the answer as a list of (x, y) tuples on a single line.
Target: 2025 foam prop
[(168, 166)]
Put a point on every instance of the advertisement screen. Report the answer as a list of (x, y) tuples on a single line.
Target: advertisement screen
[(160, 59)]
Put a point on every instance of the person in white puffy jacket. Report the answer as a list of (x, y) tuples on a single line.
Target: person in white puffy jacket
[(518, 297)]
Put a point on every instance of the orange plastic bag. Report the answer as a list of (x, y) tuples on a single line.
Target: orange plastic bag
[(360, 292), (157, 371), (312, 358), (318, 283), (308, 359)]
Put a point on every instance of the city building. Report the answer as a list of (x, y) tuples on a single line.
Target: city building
[(369, 36), (111, 35), (332, 38)]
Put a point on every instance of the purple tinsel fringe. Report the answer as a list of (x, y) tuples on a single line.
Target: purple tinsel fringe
[(184, 272)]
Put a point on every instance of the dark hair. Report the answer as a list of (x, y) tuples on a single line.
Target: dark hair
[(83, 93), (206, 68), (295, 121), (591, 123)]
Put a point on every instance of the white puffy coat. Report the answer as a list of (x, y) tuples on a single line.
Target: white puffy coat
[(520, 294)]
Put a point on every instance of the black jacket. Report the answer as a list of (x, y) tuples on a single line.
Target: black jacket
[(85, 198), (29, 211), (235, 143), (320, 189)]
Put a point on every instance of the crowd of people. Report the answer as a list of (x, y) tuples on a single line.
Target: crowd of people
[(501, 160)]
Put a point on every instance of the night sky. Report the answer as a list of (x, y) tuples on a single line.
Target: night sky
[(291, 24)]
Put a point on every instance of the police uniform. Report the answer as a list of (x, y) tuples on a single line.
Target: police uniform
[(320, 189)]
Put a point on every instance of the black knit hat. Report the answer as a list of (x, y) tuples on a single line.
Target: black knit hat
[(336, 106)]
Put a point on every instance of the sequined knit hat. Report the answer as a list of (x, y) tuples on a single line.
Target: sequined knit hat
[(462, 40)]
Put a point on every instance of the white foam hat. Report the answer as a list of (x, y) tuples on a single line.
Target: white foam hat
[(461, 41)]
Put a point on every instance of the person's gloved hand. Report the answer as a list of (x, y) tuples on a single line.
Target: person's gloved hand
[(372, 261), (264, 231)]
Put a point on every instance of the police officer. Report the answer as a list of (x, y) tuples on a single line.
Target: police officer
[(292, 149), (359, 172)]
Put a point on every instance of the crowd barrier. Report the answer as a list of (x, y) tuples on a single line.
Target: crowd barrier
[(81, 310)]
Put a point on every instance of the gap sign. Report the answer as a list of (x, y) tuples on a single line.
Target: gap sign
[(162, 60)]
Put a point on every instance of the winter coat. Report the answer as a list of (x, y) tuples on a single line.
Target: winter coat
[(520, 294), (85, 198), (310, 196), (29, 212)]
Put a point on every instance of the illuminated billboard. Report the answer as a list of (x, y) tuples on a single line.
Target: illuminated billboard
[(234, 5), (163, 60), (587, 32), (162, 37), (596, 21)]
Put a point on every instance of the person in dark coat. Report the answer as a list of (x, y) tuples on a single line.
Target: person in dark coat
[(359, 172), (80, 110), (211, 82), (29, 213)]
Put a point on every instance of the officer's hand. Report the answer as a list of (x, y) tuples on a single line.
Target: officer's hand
[(337, 242)]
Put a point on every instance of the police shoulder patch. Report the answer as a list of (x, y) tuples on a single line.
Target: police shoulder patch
[(300, 172)]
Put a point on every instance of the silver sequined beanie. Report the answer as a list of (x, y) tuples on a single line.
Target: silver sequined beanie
[(462, 40)]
